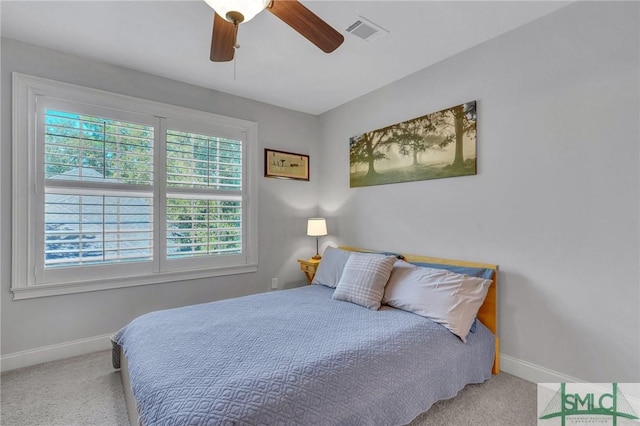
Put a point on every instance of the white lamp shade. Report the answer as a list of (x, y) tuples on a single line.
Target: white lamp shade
[(316, 227), (248, 8)]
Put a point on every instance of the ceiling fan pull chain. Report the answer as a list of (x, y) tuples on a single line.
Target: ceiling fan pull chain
[(236, 46)]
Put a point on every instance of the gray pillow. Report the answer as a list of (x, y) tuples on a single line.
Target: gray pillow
[(330, 267), (363, 279)]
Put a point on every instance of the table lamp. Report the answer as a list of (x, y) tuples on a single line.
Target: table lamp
[(316, 227)]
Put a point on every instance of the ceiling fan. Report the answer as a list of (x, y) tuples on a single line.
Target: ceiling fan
[(230, 13)]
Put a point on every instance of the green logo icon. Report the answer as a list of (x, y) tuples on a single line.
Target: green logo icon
[(587, 404)]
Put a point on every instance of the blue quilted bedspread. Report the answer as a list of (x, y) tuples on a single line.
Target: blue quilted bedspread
[(295, 357)]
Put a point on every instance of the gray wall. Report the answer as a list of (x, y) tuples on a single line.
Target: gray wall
[(283, 206), (555, 201)]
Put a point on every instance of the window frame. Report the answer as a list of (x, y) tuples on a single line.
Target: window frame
[(27, 204)]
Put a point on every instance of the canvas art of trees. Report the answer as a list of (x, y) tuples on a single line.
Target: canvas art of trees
[(437, 145)]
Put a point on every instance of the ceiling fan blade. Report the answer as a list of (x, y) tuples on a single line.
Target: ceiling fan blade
[(223, 39), (307, 23)]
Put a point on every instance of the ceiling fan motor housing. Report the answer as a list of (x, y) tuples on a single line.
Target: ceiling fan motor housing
[(235, 17)]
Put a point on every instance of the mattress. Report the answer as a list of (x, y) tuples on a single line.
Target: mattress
[(295, 357)]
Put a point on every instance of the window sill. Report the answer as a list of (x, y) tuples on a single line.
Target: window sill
[(21, 293)]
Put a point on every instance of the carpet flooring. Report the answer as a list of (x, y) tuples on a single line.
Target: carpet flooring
[(86, 391)]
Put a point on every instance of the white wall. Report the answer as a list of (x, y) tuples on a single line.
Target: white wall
[(555, 201), (283, 206)]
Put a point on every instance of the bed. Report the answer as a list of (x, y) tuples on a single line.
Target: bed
[(301, 356)]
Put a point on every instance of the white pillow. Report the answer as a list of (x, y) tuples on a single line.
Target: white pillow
[(363, 279), (445, 297), (331, 266)]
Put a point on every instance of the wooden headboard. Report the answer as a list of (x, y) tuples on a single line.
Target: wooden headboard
[(488, 312)]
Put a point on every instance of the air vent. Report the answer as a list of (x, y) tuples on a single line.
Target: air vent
[(366, 30)]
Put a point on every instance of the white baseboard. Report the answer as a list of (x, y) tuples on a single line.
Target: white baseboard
[(532, 372), (54, 352)]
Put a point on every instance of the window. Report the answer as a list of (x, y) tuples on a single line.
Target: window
[(121, 191)]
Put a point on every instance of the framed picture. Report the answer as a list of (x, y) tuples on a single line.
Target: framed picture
[(441, 144), (285, 165)]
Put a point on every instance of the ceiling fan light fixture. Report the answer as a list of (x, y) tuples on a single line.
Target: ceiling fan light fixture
[(230, 9), (230, 13)]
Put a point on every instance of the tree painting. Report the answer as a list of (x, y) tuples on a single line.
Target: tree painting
[(437, 145)]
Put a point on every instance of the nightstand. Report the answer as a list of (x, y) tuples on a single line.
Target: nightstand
[(309, 267)]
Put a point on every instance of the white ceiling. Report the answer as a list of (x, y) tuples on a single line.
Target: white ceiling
[(274, 64)]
